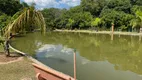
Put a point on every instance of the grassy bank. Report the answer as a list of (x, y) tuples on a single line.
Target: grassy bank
[(19, 70), (102, 32)]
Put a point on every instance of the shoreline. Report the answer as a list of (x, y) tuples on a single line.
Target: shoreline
[(41, 64), (102, 32)]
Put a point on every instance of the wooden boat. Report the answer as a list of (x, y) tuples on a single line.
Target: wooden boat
[(44, 73)]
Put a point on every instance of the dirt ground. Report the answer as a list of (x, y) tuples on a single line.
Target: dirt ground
[(13, 57)]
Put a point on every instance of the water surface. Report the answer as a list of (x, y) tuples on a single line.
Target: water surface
[(98, 57)]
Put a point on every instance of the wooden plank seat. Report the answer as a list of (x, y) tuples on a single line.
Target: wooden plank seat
[(44, 73)]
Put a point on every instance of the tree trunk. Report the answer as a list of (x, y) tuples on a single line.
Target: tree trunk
[(6, 47), (7, 53)]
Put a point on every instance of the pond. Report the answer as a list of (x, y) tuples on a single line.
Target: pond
[(98, 57)]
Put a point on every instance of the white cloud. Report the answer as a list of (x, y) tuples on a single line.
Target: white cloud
[(43, 3), (70, 2), (28, 1), (40, 4)]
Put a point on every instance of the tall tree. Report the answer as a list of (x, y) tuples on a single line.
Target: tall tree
[(119, 5), (93, 6), (51, 15)]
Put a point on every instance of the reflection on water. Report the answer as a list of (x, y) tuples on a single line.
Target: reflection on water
[(99, 56)]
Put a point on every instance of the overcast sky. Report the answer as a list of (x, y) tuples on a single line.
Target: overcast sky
[(40, 4)]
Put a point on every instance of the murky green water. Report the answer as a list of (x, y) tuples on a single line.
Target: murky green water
[(98, 57)]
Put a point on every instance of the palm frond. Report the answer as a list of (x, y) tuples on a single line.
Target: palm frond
[(139, 14), (28, 20), (134, 23)]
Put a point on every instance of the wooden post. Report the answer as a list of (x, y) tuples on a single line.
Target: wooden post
[(74, 64), (112, 31)]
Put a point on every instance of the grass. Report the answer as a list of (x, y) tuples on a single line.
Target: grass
[(1, 48), (20, 70), (17, 71)]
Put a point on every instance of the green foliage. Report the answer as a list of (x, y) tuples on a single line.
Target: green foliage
[(134, 23), (135, 8), (71, 19), (125, 14), (139, 14), (95, 22), (93, 6), (96, 13), (138, 2), (83, 19), (10, 7), (70, 23), (119, 5), (137, 21), (51, 15), (119, 18), (4, 19)]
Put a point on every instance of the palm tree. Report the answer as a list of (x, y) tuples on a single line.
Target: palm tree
[(24, 21), (28, 20)]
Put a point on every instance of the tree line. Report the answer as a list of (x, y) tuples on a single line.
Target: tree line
[(90, 14), (96, 14)]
